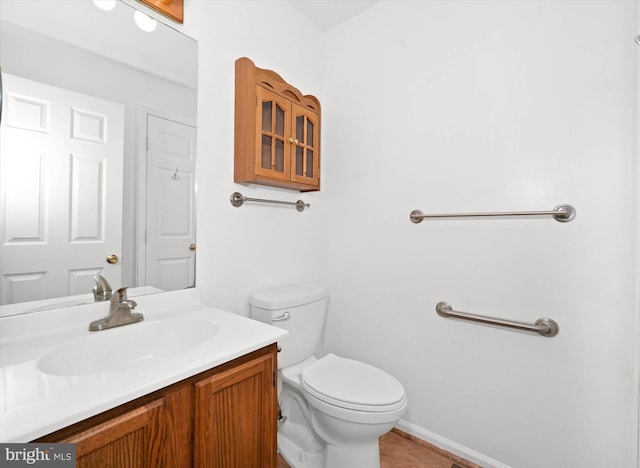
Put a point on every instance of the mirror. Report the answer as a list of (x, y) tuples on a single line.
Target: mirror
[(97, 153)]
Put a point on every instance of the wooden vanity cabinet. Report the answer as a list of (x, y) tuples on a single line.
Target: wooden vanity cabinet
[(234, 422), (277, 131), (224, 417)]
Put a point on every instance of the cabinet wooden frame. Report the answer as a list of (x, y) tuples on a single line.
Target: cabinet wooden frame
[(300, 167)]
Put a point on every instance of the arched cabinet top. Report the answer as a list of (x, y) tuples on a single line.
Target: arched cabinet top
[(274, 82)]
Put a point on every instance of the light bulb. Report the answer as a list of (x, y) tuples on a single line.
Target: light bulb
[(106, 5), (144, 22)]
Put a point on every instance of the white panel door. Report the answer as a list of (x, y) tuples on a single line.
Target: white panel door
[(170, 231), (61, 158)]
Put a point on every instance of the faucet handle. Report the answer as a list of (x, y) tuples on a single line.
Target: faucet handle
[(119, 296), (123, 293), (119, 299)]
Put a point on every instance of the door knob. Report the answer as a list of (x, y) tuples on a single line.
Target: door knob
[(192, 247), (112, 259)]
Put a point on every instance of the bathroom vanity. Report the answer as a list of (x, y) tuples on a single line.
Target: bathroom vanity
[(224, 417), (190, 386)]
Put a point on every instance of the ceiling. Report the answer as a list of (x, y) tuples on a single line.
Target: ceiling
[(329, 13)]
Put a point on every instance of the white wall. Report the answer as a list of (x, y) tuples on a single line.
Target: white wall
[(247, 249), (489, 106), (449, 106)]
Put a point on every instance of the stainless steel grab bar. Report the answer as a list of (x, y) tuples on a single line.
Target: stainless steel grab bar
[(544, 326), (561, 213), (237, 199)]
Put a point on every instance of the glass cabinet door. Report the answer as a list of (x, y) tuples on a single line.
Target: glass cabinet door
[(273, 119), (305, 161)]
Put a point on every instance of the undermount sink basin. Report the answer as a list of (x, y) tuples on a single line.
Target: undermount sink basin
[(127, 346)]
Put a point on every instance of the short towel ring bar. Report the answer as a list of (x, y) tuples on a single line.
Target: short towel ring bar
[(237, 200), (544, 326), (561, 213)]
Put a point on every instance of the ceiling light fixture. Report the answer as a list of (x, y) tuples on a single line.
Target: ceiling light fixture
[(106, 5), (145, 22)]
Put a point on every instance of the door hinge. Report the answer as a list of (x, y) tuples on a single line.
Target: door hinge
[(147, 144), (273, 378)]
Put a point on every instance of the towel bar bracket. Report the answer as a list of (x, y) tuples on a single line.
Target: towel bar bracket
[(550, 323)]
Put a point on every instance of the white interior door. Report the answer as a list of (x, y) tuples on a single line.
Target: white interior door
[(61, 156), (170, 195)]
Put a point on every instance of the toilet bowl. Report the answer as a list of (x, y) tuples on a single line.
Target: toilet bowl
[(333, 409)]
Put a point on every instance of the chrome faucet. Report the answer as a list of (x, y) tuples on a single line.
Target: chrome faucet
[(119, 312), (102, 291)]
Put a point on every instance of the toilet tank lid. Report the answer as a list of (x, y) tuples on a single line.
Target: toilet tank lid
[(288, 296)]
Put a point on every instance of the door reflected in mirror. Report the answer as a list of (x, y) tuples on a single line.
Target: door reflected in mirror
[(97, 152)]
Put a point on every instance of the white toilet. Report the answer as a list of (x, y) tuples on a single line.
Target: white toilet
[(333, 409)]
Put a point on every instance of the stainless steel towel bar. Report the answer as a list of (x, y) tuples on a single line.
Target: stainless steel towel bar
[(544, 326), (561, 213), (237, 199)]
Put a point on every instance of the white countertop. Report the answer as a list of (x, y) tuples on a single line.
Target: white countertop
[(34, 403)]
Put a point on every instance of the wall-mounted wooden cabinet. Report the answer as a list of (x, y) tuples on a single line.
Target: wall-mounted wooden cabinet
[(277, 131)]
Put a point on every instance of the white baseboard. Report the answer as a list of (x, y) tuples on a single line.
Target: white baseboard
[(449, 445)]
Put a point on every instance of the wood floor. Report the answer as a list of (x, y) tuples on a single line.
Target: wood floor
[(401, 450)]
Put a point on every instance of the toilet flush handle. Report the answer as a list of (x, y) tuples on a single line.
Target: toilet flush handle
[(285, 316)]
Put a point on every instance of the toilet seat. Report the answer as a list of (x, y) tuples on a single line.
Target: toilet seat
[(353, 385)]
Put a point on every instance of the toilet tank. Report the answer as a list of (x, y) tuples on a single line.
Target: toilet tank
[(298, 308)]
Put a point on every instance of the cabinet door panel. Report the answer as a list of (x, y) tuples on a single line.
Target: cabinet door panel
[(235, 424), (305, 165), (273, 115), (132, 440)]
